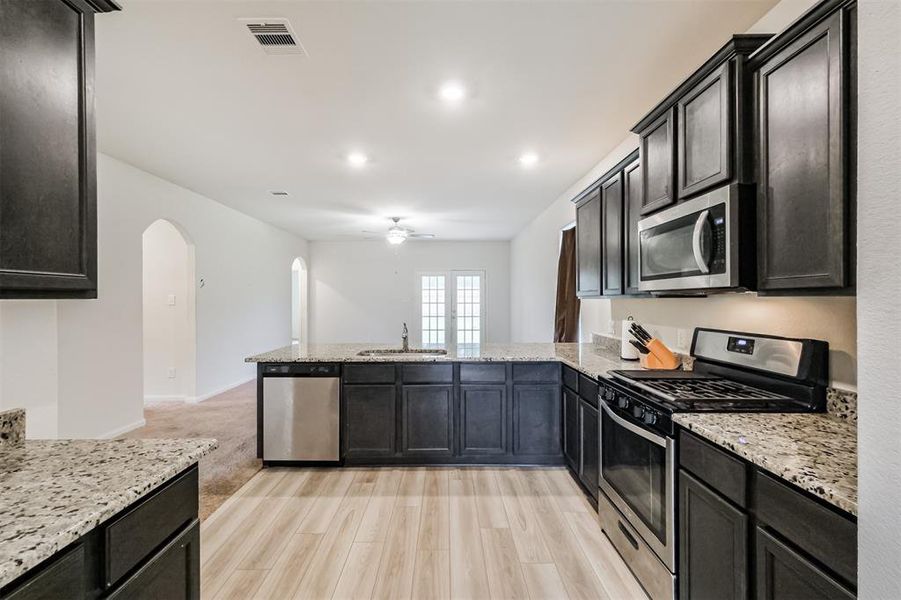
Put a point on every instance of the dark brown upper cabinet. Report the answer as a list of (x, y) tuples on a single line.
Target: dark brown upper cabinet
[(48, 180), (657, 150), (631, 216), (699, 137), (588, 244), (806, 132), (704, 121), (612, 235)]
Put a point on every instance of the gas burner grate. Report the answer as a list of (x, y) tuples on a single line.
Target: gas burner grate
[(687, 390)]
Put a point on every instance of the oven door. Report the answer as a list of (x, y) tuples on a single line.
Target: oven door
[(690, 246), (638, 475)]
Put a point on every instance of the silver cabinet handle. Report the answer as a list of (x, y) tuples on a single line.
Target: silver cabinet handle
[(696, 241)]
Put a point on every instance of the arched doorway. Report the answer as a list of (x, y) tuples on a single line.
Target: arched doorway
[(299, 303), (169, 341)]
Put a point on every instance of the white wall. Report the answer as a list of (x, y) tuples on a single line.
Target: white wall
[(364, 291), (168, 309), (244, 307), (533, 259), (879, 297)]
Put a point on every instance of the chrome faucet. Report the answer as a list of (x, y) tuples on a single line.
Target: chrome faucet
[(405, 339)]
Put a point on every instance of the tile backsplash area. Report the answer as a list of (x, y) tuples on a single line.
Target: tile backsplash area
[(12, 426)]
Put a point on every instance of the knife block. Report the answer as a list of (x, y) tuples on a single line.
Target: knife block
[(659, 358)]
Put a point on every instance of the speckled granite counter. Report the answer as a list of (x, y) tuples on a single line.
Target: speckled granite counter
[(12, 426), (818, 453), (54, 491), (587, 358)]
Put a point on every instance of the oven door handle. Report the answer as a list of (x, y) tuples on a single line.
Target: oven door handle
[(700, 224), (640, 431)]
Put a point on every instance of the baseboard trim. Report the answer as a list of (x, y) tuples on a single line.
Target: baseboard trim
[(164, 398), (216, 392), (123, 430)]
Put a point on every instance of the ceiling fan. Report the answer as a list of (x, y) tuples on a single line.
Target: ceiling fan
[(398, 235)]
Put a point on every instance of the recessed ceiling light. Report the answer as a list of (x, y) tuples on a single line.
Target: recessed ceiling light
[(452, 92), (357, 159), (528, 159)]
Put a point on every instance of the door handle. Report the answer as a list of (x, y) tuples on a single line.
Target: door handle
[(696, 241), (629, 537)]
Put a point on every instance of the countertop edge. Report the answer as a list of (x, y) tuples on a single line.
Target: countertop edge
[(46, 548)]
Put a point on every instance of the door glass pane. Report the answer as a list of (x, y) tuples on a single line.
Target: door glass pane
[(468, 309), (433, 319), (636, 469)]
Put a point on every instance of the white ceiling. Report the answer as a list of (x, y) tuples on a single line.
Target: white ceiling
[(184, 92)]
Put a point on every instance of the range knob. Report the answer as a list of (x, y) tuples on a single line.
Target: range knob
[(649, 417), (609, 394), (622, 401), (638, 411)]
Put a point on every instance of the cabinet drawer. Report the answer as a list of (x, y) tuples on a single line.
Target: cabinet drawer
[(571, 378), (724, 473), (483, 372), (368, 373), (824, 534), (588, 390), (428, 373), (173, 573), (134, 535), (59, 579), (536, 372)]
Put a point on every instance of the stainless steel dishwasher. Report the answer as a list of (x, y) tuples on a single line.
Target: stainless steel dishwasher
[(301, 412)]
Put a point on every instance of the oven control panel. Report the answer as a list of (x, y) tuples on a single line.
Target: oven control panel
[(624, 403)]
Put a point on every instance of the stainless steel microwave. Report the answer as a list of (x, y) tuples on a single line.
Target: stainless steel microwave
[(701, 245)]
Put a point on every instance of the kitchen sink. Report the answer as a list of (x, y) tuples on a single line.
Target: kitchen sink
[(400, 351)]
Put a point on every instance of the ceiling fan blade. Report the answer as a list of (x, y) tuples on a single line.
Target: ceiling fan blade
[(422, 236)]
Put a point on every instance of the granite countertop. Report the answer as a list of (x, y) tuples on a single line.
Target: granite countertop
[(590, 359), (816, 452), (54, 491)]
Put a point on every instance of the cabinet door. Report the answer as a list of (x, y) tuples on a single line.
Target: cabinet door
[(612, 242), (803, 219), (572, 440), (173, 573), (369, 419), (590, 451), (713, 538), (483, 419), (61, 578), (588, 245), (48, 195), (631, 216), (657, 152), (784, 574), (536, 420), (427, 422), (705, 131)]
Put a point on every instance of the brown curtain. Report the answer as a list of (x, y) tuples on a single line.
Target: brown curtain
[(566, 319)]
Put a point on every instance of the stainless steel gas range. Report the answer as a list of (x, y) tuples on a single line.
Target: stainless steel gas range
[(733, 372)]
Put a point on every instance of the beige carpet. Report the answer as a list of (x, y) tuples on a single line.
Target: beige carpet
[(229, 417)]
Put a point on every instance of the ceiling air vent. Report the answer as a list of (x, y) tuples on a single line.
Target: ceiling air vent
[(274, 35)]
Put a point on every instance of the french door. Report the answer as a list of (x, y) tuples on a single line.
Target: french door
[(451, 308)]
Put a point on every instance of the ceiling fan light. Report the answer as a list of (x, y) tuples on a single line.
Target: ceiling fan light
[(396, 236)]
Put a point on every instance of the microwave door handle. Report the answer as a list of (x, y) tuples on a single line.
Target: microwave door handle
[(640, 431), (696, 241)]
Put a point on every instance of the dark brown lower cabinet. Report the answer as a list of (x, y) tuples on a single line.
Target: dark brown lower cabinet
[(428, 419), (713, 541), (785, 574), (173, 574), (536, 420), (572, 441), (370, 420), (590, 449), (483, 419), (148, 551)]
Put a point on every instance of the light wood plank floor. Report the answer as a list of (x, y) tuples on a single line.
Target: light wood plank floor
[(416, 533)]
